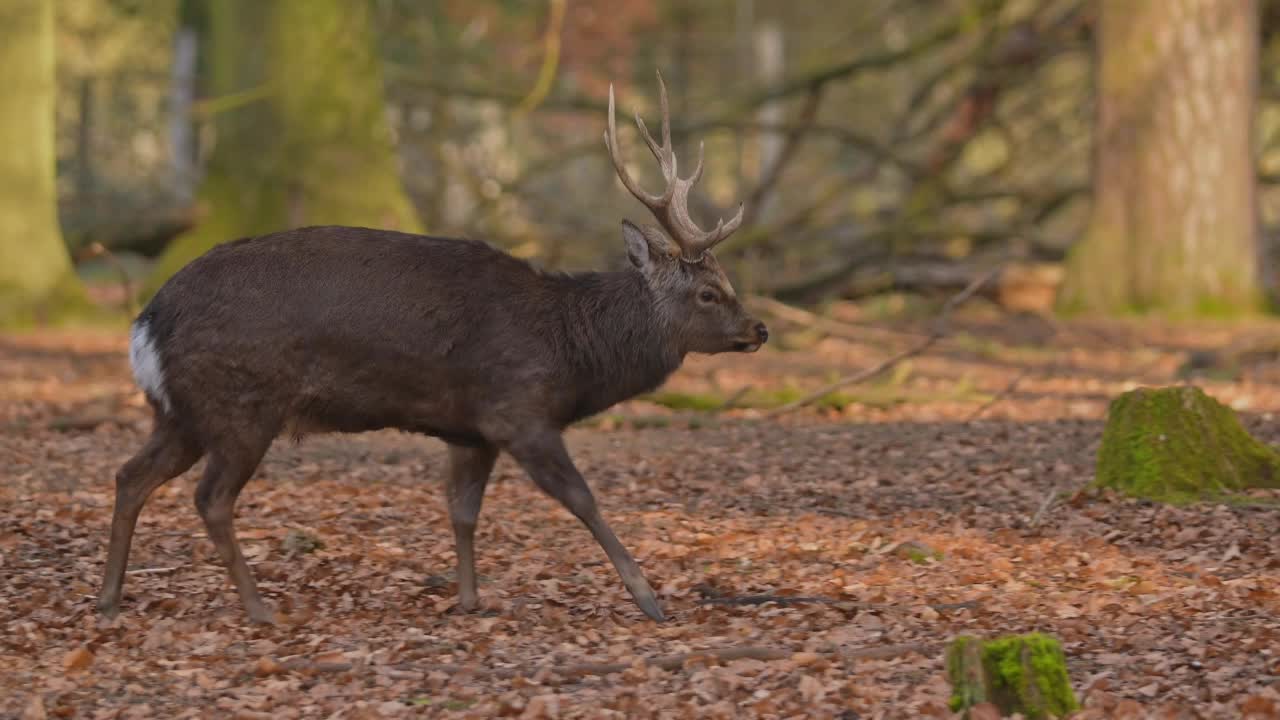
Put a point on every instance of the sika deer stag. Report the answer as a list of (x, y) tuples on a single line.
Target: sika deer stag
[(342, 329)]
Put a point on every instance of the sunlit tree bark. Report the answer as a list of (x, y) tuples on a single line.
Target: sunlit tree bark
[(302, 136), (36, 277), (1175, 221)]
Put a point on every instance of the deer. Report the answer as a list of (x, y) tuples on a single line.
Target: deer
[(338, 329)]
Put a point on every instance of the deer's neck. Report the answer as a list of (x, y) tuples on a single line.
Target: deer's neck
[(620, 344)]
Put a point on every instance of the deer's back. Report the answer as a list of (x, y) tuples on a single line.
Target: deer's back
[(351, 329)]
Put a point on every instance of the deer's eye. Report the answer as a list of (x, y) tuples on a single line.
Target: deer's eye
[(707, 296)]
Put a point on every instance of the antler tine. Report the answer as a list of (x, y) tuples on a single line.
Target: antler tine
[(671, 208), (697, 169), (666, 113), (665, 155), (723, 230), (653, 202)]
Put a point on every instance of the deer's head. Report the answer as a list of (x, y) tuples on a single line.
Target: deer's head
[(692, 292)]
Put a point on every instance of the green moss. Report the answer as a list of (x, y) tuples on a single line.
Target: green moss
[(889, 392), (1010, 660), (1024, 674), (920, 557), (1178, 445), (37, 283), (64, 303), (313, 147), (982, 347), (698, 402)]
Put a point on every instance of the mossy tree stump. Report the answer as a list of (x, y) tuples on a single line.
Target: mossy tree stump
[(1024, 674), (1179, 445)]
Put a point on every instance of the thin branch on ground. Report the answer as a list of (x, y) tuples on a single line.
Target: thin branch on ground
[(1045, 504), (941, 327), (155, 570)]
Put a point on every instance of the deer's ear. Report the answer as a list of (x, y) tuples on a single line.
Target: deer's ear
[(647, 246), (637, 245)]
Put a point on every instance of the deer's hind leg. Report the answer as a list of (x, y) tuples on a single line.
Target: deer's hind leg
[(167, 454), (231, 464)]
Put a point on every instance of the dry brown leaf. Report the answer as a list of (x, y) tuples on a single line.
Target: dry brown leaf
[(985, 711), (1140, 594), (77, 659), (1258, 707), (35, 708)]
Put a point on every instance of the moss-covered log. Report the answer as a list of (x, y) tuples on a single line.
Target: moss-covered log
[(1024, 674), (302, 136), (1179, 445), (37, 281)]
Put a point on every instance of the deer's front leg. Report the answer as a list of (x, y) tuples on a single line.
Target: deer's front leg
[(469, 470), (544, 457)]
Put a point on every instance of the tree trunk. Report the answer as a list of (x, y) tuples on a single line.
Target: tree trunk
[(1024, 674), (37, 281), (1175, 221), (302, 135)]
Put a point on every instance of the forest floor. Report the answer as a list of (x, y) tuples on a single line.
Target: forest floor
[(933, 502)]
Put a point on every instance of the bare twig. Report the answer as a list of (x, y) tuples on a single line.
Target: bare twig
[(836, 328), (155, 570), (1045, 504), (97, 249), (940, 328), (792, 143), (550, 61), (734, 399), (1013, 384)]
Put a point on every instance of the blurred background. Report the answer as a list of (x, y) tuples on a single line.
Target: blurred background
[(1116, 156)]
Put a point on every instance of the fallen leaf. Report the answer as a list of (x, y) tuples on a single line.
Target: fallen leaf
[(34, 709), (77, 659)]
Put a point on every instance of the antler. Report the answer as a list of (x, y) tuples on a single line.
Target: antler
[(671, 208)]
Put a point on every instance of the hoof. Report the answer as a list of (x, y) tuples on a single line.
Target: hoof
[(649, 606)]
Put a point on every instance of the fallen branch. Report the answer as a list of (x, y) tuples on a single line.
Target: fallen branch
[(940, 328), (155, 570), (569, 673)]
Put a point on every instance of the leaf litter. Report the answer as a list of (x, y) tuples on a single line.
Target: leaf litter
[(812, 566)]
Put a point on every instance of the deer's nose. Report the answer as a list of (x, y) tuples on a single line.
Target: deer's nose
[(762, 332)]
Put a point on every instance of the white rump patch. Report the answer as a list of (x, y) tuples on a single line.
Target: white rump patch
[(146, 363)]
